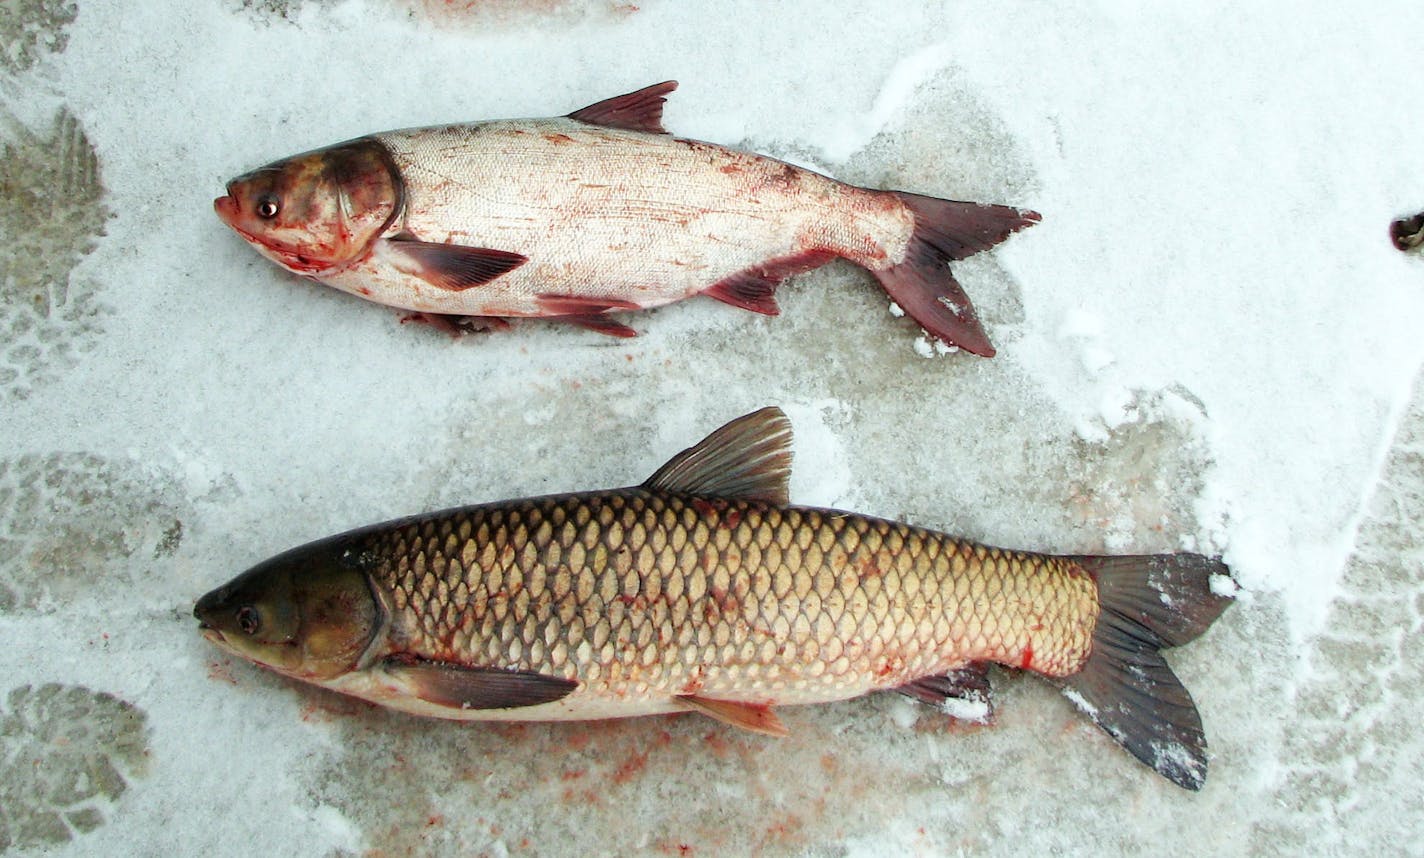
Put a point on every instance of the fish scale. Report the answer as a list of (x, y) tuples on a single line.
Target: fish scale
[(703, 589), (642, 592)]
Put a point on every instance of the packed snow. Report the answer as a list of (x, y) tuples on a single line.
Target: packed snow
[(1209, 343)]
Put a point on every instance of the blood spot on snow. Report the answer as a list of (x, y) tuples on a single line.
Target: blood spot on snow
[(220, 670), (630, 767)]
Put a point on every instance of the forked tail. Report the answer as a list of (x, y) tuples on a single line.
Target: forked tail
[(947, 231), (1148, 603)]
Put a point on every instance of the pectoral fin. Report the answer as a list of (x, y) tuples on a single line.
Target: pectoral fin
[(453, 267), (756, 717), (459, 687)]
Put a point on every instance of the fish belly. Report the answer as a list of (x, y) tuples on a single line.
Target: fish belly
[(607, 215), (642, 596)]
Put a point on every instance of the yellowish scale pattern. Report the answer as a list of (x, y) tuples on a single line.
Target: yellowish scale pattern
[(640, 592)]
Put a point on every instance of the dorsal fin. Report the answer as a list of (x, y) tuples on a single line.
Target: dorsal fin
[(636, 111), (749, 458)]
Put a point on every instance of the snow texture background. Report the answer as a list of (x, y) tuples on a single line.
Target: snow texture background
[(1209, 343)]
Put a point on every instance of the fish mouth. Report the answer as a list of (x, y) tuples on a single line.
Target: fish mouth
[(227, 208)]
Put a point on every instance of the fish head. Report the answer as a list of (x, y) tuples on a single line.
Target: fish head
[(310, 613), (319, 211)]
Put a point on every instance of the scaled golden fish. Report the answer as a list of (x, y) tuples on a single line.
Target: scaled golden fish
[(703, 590), (601, 210)]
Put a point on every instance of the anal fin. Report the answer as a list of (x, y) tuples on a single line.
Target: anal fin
[(756, 717), (459, 687), (755, 288), (963, 694), (749, 290)]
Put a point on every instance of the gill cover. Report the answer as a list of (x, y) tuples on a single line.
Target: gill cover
[(318, 211), (308, 613)]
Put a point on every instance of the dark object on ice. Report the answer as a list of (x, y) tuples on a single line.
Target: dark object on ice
[(1408, 233)]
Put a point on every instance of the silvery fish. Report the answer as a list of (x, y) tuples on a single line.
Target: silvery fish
[(703, 590), (599, 211)]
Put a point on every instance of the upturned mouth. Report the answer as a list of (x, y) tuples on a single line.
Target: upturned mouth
[(227, 208)]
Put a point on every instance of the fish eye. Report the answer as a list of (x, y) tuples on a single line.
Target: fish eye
[(248, 620), (267, 207)]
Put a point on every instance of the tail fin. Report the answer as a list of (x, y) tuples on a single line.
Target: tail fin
[(946, 231), (1147, 603)]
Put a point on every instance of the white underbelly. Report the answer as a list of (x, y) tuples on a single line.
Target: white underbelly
[(583, 704)]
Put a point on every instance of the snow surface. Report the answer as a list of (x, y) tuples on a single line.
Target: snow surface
[(1209, 344)]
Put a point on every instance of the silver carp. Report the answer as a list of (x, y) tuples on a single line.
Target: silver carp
[(600, 211)]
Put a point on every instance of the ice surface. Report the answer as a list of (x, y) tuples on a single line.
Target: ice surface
[(1209, 344)]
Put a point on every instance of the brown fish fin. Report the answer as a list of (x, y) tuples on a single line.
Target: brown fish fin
[(457, 326), (459, 687), (754, 288), (552, 304), (922, 284), (454, 267), (587, 312), (749, 458), (962, 694), (750, 290), (1126, 687), (600, 323), (756, 717), (636, 111)]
